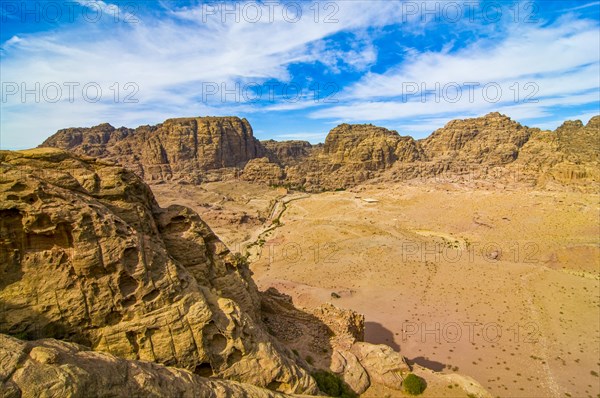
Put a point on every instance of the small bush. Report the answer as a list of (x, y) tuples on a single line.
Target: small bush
[(239, 260), (332, 385), (413, 384)]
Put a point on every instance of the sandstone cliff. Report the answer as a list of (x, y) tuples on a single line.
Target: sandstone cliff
[(476, 149), (177, 149), (88, 256), (570, 154), (352, 154), (287, 153), (494, 139)]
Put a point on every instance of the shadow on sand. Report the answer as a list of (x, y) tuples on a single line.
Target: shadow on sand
[(375, 333)]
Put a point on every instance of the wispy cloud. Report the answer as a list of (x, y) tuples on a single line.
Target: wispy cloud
[(535, 68), (168, 59), (155, 61)]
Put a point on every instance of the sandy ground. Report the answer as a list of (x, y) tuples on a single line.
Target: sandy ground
[(502, 286)]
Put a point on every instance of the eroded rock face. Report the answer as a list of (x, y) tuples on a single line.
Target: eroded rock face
[(184, 148), (370, 147), (568, 155), (352, 154), (52, 368), (383, 364), (263, 170), (88, 256), (353, 373), (483, 148), (494, 139)]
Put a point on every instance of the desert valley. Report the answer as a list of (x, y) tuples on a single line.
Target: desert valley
[(191, 259)]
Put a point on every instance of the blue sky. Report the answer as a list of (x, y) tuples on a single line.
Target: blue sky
[(295, 69)]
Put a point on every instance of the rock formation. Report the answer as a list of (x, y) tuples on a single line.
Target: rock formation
[(492, 140), (212, 148), (52, 368), (88, 256), (570, 154), (288, 153), (177, 149), (351, 154)]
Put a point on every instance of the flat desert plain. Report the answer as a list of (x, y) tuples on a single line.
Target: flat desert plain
[(499, 285)]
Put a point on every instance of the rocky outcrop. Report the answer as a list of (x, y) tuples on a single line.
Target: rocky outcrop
[(329, 337), (368, 147), (183, 148), (352, 154), (55, 369), (493, 140), (88, 256), (382, 364)]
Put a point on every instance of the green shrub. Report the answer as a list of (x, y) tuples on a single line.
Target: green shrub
[(239, 260), (413, 384), (332, 385)]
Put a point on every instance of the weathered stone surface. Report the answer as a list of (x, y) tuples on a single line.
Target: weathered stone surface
[(383, 364), (52, 368), (368, 147), (494, 139), (352, 154), (569, 155), (88, 256), (262, 170), (354, 375), (347, 326)]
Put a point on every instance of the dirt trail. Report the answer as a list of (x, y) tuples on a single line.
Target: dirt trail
[(254, 243)]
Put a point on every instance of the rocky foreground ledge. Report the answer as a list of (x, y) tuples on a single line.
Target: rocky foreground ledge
[(53, 368), (106, 294)]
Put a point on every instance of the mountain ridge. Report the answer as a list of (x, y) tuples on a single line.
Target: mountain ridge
[(211, 148)]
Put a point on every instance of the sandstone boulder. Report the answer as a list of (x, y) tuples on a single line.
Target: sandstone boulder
[(354, 375), (383, 364)]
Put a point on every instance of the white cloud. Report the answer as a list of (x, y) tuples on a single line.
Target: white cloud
[(168, 59), (561, 64)]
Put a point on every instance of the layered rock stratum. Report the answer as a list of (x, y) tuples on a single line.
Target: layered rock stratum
[(213, 148)]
